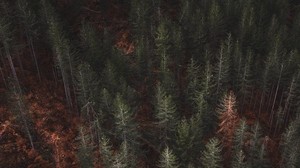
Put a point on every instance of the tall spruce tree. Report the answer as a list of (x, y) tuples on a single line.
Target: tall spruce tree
[(228, 117), (64, 55), (211, 156), (168, 159), (126, 128), (28, 19), (291, 141), (7, 37), (166, 113), (85, 149)]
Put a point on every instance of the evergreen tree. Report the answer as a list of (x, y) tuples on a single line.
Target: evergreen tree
[(20, 111), (239, 137), (168, 159), (28, 19), (188, 137), (163, 51), (245, 80), (211, 156), (125, 158), (94, 52), (85, 149), (62, 49), (193, 78), (166, 113), (124, 121), (86, 82), (106, 152), (7, 37), (291, 141), (238, 161), (222, 69), (215, 24)]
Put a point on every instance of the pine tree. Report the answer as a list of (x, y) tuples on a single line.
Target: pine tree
[(215, 22), (124, 121), (245, 79), (28, 19), (211, 156), (166, 113), (65, 57), (290, 142), (125, 158), (94, 47), (7, 37), (222, 69), (193, 78), (163, 51), (238, 161), (20, 111), (86, 84), (106, 152), (168, 159), (228, 117), (188, 137), (85, 149), (240, 136)]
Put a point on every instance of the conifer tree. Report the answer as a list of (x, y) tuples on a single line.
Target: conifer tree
[(94, 48), (6, 37), (163, 46), (106, 152), (291, 141), (168, 159), (86, 82), (240, 136), (238, 161), (245, 79), (125, 158), (188, 137), (211, 156), (125, 124), (62, 49), (85, 149), (215, 22), (222, 69), (228, 117), (28, 19), (207, 82), (166, 113), (193, 78), (20, 111)]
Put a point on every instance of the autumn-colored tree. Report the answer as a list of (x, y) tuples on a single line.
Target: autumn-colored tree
[(228, 118)]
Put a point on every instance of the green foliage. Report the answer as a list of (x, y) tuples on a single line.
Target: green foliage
[(238, 161), (166, 113), (106, 152), (93, 45), (222, 68), (291, 141), (239, 137), (64, 54), (168, 159), (20, 110), (86, 83), (85, 150), (188, 139), (211, 156), (6, 31), (124, 121), (125, 158)]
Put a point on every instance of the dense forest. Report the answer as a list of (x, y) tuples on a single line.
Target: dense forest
[(150, 83)]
